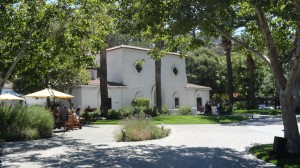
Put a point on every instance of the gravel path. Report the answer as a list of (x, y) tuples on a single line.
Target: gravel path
[(188, 146)]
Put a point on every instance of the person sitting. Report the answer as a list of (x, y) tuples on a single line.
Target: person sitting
[(75, 117), (88, 109), (78, 111)]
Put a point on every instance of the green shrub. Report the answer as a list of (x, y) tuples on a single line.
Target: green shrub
[(184, 110), (30, 133), (139, 128), (239, 105), (126, 111), (26, 123), (113, 114), (141, 102), (41, 119), (165, 110), (95, 114), (151, 112)]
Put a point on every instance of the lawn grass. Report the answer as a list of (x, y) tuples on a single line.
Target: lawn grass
[(184, 119), (259, 111), (188, 119), (262, 152)]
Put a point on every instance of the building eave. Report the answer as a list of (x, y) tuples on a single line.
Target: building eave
[(193, 86), (136, 48)]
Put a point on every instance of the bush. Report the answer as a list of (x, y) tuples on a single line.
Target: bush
[(151, 112), (184, 110), (141, 102), (239, 105), (113, 114), (138, 128), (126, 111), (25, 123), (165, 110)]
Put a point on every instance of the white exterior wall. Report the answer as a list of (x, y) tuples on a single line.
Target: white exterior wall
[(121, 69), (115, 93), (173, 85), (132, 78), (85, 96), (115, 67), (192, 95)]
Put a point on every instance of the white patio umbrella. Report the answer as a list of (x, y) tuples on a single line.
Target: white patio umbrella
[(8, 96), (49, 93)]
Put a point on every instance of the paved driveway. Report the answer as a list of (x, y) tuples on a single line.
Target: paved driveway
[(188, 146)]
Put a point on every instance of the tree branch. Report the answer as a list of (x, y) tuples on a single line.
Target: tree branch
[(222, 32), (294, 72), (11, 68), (264, 28)]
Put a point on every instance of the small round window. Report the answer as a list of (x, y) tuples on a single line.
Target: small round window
[(138, 67), (175, 71)]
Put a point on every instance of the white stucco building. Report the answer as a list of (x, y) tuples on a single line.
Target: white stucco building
[(127, 83)]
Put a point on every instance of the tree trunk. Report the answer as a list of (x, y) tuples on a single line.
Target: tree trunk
[(226, 43), (284, 86), (158, 79), (291, 131), (251, 66), (158, 85), (103, 83)]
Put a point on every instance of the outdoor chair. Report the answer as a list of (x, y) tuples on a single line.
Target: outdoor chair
[(71, 124)]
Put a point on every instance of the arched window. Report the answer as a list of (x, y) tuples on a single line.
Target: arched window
[(139, 94), (176, 100)]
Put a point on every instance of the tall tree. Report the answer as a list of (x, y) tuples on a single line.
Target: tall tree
[(204, 67), (277, 23), (103, 82), (26, 44), (226, 43), (251, 66)]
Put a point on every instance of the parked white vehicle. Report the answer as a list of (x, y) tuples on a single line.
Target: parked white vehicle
[(263, 106)]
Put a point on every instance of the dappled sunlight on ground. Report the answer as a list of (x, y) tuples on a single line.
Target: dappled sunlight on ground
[(208, 145)]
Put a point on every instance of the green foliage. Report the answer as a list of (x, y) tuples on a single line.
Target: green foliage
[(184, 110), (126, 111), (165, 110), (91, 116), (138, 128), (74, 29), (141, 102), (121, 113), (264, 83), (239, 105), (25, 123), (263, 152), (205, 67), (114, 114), (259, 111)]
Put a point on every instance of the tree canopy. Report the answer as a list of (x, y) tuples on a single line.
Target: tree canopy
[(53, 41)]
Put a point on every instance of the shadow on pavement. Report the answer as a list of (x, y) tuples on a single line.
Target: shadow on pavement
[(80, 154), (260, 120)]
